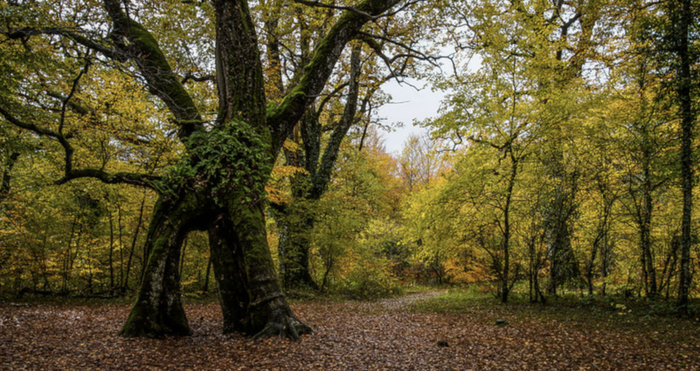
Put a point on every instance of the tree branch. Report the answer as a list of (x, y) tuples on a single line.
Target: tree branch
[(191, 76), (413, 53), (148, 181), (330, 154), (319, 4), (31, 127), (144, 50), (5, 182), (282, 118), (142, 180), (328, 97), (75, 35)]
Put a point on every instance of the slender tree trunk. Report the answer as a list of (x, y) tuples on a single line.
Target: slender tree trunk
[(206, 274), (125, 283), (42, 262), (111, 251), (66, 258), (682, 16), (589, 268), (601, 236), (531, 270), (121, 246), (664, 275), (329, 268), (506, 226), (5, 181), (671, 272), (645, 231)]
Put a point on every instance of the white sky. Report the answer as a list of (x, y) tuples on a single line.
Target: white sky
[(407, 105)]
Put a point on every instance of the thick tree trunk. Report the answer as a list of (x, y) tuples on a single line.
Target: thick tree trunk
[(295, 231), (158, 309), (267, 313), (229, 272)]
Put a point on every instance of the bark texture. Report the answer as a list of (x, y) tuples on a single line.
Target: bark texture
[(682, 16), (296, 219), (158, 309)]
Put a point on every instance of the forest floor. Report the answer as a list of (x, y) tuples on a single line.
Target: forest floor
[(421, 331)]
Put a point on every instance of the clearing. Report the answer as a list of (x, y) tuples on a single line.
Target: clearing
[(407, 333)]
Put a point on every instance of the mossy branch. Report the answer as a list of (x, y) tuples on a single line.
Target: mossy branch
[(330, 154), (283, 119), (143, 49)]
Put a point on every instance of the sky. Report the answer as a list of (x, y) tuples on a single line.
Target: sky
[(407, 106)]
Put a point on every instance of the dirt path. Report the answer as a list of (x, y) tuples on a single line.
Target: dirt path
[(348, 336), (404, 302)]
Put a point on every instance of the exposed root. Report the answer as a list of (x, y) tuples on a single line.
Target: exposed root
[(152, 329), (284, 327), (150, 321)]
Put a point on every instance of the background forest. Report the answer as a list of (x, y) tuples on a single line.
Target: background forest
[(562, 160)]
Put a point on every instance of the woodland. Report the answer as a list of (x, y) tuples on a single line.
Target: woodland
[(181, 176)]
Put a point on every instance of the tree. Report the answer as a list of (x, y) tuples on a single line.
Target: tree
[(420, 161), (667, 32), (389, 44), (681, 38), (347, 260), (218, 183), (296, 218)]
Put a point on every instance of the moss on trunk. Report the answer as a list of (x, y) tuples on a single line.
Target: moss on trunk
[(229, 271), (294, 250), (158, 309), (268, 312)]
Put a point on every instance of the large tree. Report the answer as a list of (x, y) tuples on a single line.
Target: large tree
[(218, 183), (385, 50)]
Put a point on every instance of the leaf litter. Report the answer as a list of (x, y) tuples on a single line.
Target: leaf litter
[(383, 335)]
